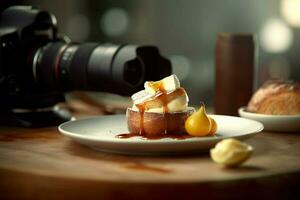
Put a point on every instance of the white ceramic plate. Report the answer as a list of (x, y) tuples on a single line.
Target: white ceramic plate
[(282, 123), (100, 133)]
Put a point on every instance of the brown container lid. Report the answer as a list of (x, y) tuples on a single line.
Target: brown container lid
[(236, 37)]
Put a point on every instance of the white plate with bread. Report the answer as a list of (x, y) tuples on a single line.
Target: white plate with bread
[(276, 105), (277, 123)]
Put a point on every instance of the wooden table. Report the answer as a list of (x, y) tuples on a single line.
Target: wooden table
[(41, 163)]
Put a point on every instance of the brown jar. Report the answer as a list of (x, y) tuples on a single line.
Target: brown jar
[(234, 68)]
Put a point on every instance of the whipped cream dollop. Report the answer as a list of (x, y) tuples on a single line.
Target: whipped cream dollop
[(161, 96)]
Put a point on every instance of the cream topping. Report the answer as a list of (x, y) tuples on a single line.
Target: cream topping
[(162, 95)]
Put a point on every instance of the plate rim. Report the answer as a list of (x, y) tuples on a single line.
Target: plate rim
[(145, 141), (259, 115)]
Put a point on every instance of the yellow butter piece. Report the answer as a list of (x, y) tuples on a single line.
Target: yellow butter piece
[(231, 152)]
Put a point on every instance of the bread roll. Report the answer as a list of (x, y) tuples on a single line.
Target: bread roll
[(276, 98)]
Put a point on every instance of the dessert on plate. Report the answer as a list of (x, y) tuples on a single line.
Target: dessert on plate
[(276, 98), (161, 110)]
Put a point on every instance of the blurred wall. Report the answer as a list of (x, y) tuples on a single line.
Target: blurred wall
[(185, 31)]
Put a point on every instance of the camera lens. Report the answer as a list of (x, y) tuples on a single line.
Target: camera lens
[(111, 68)]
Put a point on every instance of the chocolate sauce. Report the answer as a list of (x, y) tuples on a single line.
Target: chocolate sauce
[(154, 137), (158, 87), (141, 108)]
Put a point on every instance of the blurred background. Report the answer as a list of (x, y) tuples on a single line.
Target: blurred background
[(186, 32)]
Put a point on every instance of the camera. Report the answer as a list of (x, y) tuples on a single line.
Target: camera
[(37, 65)]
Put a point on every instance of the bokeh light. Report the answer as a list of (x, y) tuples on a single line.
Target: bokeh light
[(78, 28), (290, 10), (276, 36), (181, 66), (114, 22)]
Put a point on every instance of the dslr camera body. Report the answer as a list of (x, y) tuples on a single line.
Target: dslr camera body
[(37, 66)]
